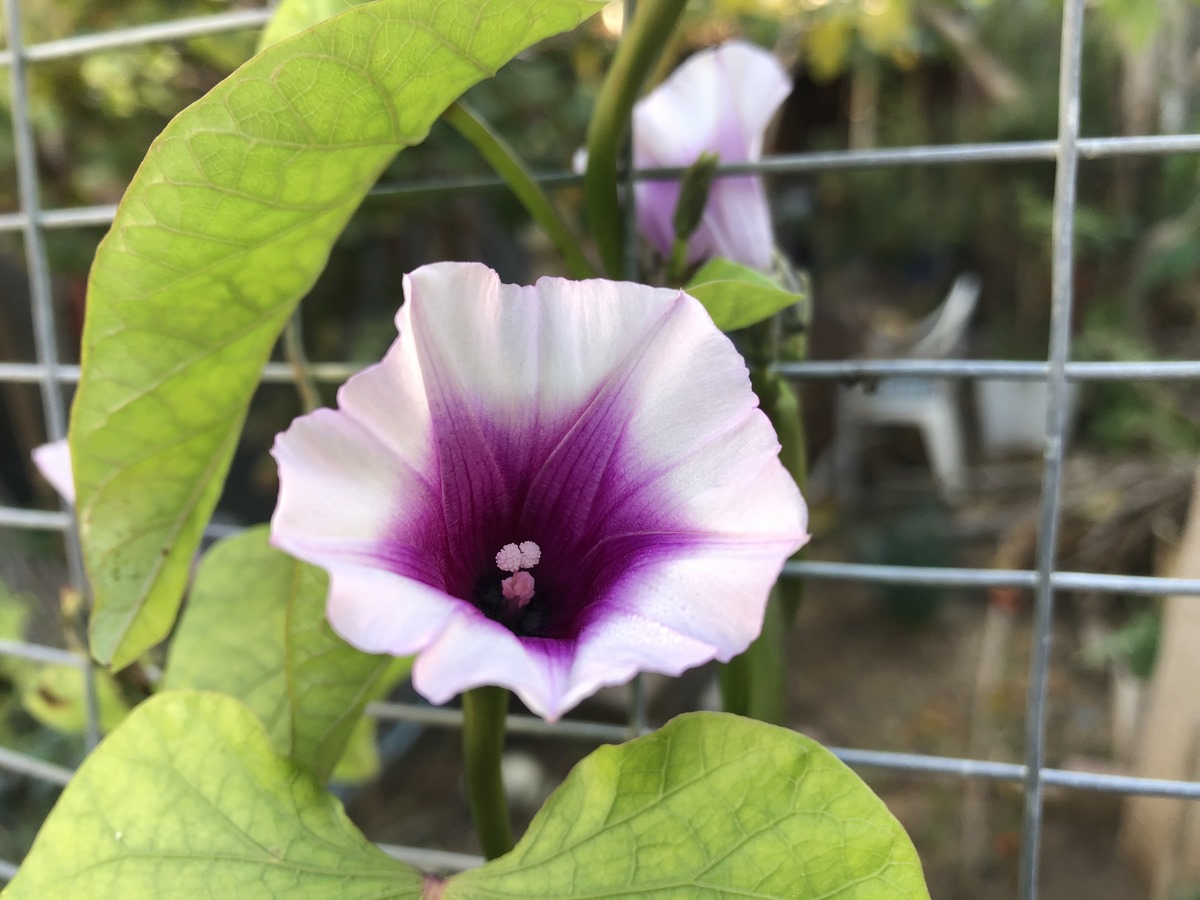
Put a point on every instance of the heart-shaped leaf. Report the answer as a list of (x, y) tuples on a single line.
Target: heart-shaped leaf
[(187, 799), (711, 805), (226, 225), (255, 628)]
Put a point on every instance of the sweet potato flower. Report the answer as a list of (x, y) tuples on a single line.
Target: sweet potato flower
[(719, 101), (547, 488)]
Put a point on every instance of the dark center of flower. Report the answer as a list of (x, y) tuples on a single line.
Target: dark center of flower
[(513, 599)]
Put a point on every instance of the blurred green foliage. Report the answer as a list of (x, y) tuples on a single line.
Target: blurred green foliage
[(1135, 644)]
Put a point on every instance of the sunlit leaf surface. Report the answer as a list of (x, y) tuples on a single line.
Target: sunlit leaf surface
[(255, 628), (187, 799), (711, 805)]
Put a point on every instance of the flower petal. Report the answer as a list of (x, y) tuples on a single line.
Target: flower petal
[(474, 651), (720, 100), (348, 498), (686, 444), (736, 225), (53, 460), (381, 612)]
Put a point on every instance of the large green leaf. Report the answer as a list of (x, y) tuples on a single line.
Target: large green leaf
[(710, 805), (255, 628), (293, 16), (187, 799), (227, 223), (737, 296)]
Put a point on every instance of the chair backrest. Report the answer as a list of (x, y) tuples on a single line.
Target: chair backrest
[(940, 332)]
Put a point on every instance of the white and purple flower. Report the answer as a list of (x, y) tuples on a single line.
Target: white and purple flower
[(719, 101), (547, 488)]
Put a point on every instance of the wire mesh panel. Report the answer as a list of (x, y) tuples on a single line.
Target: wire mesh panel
[(1067, 150)]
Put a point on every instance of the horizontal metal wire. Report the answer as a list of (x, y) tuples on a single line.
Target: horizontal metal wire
[(182, 29), (1144, 585), (33, 519), (1147, 585), (41, 653), (594, 731), (432, 860), (1011, 370), (73, 217), (1094, 148), (1122, 784), (934, 765), (24, 764), (441, 717), (275, 373)]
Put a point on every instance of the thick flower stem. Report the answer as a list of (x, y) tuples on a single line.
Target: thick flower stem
[(484, 709), (754, 683), (782, 406), (501, 157), (640, 47)]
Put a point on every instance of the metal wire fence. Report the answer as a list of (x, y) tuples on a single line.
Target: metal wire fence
[(1066, 151)]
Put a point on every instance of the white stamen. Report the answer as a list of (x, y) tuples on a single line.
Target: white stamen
[(518, 587), (513, 558), (531, 554), (509, 558)]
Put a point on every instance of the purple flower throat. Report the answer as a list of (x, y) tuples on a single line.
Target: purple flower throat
[(535, 530)]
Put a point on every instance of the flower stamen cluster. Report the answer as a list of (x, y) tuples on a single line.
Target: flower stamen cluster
[(518, 587)]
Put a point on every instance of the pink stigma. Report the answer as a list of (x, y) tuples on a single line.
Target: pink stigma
[(519, 588)]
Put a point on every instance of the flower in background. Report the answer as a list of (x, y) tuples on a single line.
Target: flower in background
[(547, 488), (53, 460), (719, 101)]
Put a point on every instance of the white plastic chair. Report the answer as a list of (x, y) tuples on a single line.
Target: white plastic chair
[(928, 404)]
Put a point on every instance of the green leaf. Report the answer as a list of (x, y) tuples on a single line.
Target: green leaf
[(293, 16), (255, 628), (360, 762), (14, 614), (55, 695), (187, 799), (710, 805), (226, 225), (737, 296)]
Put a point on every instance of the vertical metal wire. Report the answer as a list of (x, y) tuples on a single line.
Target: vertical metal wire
[(1060, 345), (44, 331)]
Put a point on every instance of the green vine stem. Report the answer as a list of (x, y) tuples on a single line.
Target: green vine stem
[(293, 351), (505, 162), (484, 709), (755, 683), (643, 42)]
